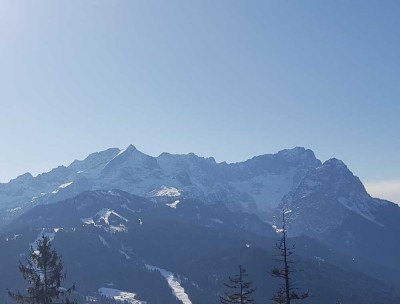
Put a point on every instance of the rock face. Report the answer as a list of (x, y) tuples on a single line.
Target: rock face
[(331, 205), (324, 197), (255, 185)]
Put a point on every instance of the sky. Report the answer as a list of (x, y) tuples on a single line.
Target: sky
[(229, 79)]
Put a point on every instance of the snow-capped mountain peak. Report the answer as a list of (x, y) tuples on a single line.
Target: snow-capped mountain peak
[(325, 197), (129, 157), (299, 155), (291, 177)]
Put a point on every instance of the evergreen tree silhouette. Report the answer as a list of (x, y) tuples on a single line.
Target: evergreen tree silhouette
[(44, 273), (240, 289), (286, 292)]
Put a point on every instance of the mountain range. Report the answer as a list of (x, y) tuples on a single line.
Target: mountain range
[(141, 219), (256, 185)]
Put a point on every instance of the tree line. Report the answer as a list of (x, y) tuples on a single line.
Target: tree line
[(44, 272), (240, 290)]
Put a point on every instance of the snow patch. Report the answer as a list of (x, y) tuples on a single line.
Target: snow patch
[(174, 204), (319, 260), (288, 211), (119, 295), (62, 186), (127, 208), (166, 191), (46, 232), (103, 241), (104, 216), (125, 254), (277, 230), (218, 221), (267, 190), (114, 229), (361, 206), (88, 221), (14, 209), (13, 238), (113, 193), (174, 283)]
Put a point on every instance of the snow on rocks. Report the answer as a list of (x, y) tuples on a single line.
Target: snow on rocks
[(63, 186), (166, 191), (14, 209)]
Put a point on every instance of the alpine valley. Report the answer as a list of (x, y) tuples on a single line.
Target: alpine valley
[(171, 229)]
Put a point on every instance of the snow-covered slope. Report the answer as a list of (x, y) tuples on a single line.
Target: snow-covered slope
[(322, 196), (255, 185), (173, 282), (325, 197)]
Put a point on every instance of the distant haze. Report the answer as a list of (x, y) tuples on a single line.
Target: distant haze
[(389, 190)]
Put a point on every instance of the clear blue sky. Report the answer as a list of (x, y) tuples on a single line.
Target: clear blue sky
[(229, 79)]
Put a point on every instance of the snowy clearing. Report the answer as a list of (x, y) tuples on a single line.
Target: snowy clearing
[(174, 204), (104, 216), (173, 282), (119, 295)]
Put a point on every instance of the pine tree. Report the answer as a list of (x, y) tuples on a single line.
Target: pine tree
[(287, 292), (241, 289), (44, 273)]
